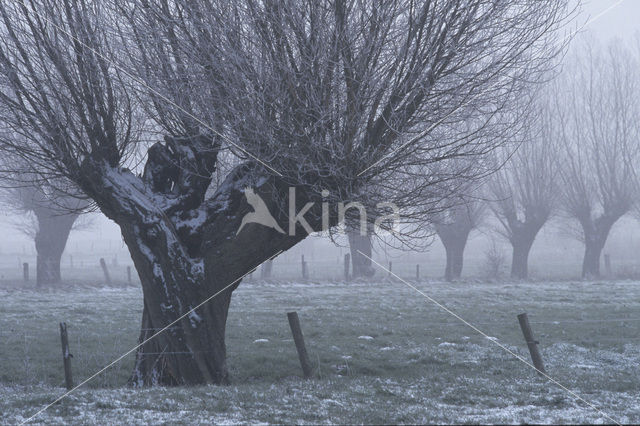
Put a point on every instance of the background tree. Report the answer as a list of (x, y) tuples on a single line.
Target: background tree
[(597, 111), (453, 226), (524, 190), (354, 99), (51, 215), (360, 243)]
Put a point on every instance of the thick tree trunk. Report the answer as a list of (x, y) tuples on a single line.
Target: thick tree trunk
[(193, 351), (453, 230), (522, 236), (361, 265), (190, 255), (595, 232), (190, 352), (520, 259), (455, 257), (591, 261), (50, 241), (454, 237)]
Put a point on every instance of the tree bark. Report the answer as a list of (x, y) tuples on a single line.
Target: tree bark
[(522, 234), (595, 232), (50, 240), (520, 259), (188, 251), (454, 237), (361, 265), (453, 227), (591, 260)]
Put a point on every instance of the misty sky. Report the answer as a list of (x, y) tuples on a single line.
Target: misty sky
[(622, 20)]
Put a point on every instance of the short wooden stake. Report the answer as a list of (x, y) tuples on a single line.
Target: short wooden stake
[(25, 272), (105, 270), (347, 261), (66, 356), (390, 267), (298, 338), (523, 319), (129, 274)]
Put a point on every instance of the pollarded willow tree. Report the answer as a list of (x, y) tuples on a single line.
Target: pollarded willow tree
[(322, 101), (597, 109), (51, 215), (453, 226), (524, 191)]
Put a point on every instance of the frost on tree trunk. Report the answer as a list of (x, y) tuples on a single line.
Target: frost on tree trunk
[(50, 240), (361, 251), (185, 250)]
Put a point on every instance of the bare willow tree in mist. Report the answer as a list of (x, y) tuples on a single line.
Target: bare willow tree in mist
[(316, 96), (597, 107), (453, 225), (524, 191), (47, 215)]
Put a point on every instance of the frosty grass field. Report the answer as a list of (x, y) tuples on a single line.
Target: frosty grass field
[(384, 355)]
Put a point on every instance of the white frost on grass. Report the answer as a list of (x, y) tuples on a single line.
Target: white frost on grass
[(365, 337), (584, 366), (261, 341)]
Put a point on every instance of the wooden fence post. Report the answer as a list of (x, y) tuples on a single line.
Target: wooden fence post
[(347, 261), (129, 274), (298, 338), (103, 264), (390, 267), (523, 319), (25, 272), (66, 356)]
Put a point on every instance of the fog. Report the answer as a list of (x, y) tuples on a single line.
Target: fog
[(555, 253), (501, 147)]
